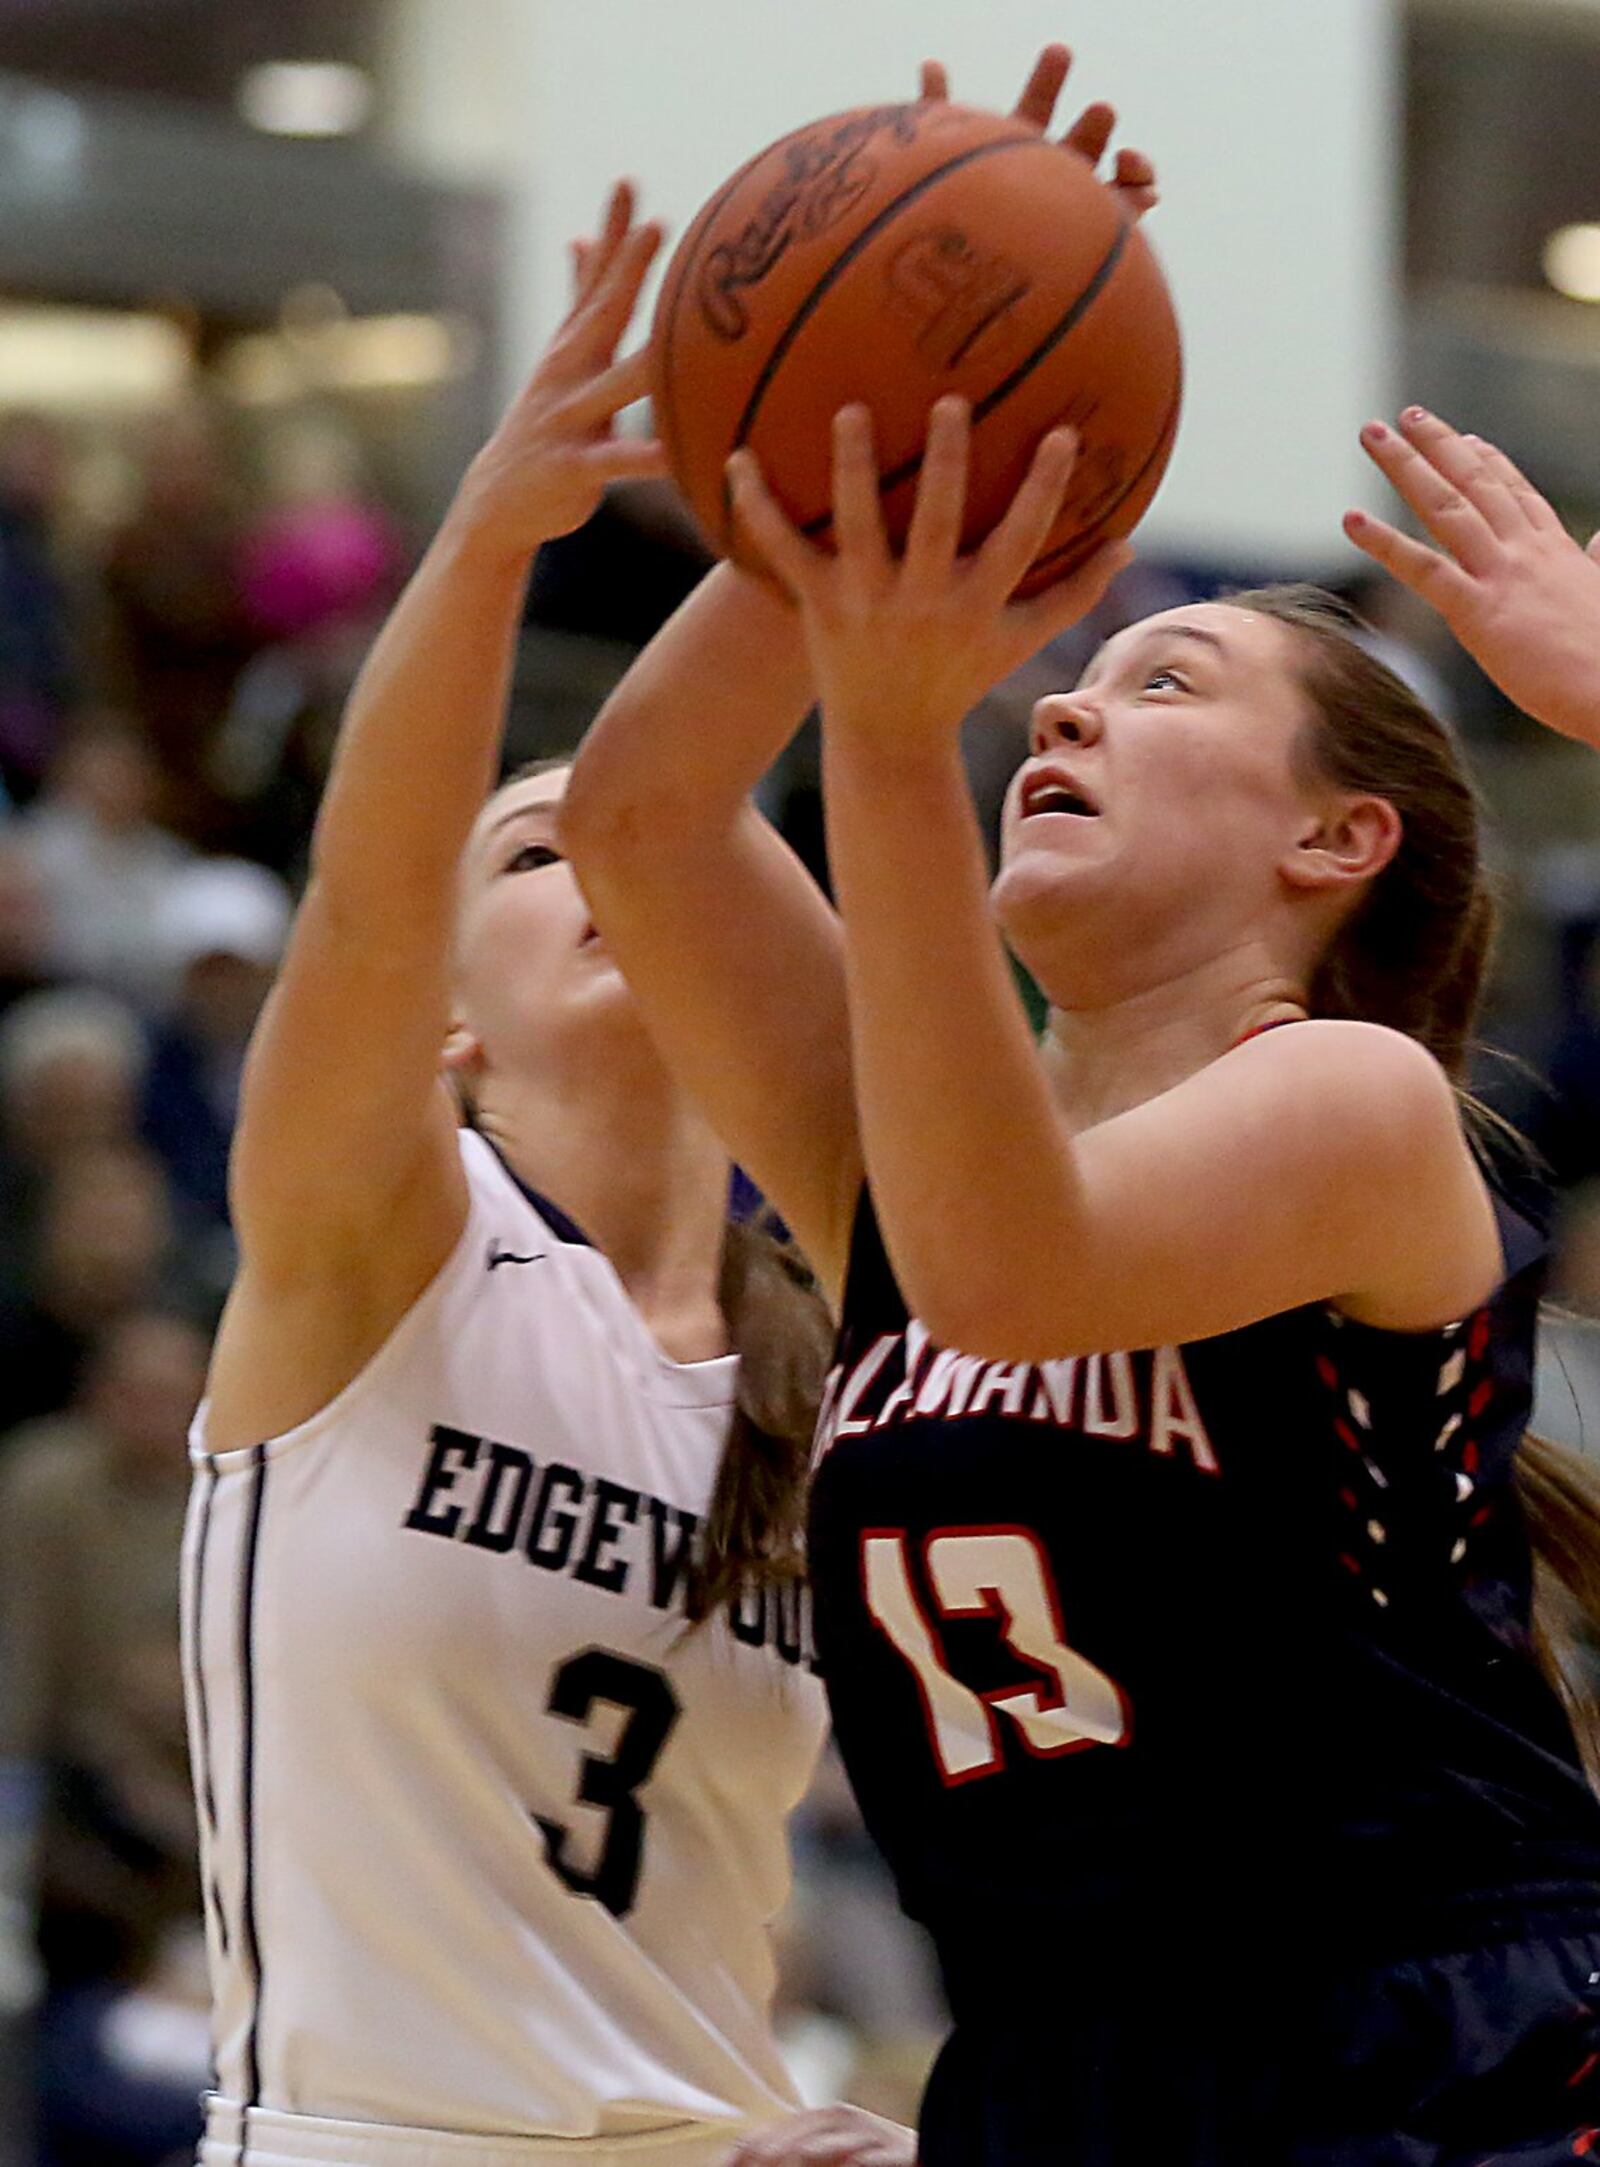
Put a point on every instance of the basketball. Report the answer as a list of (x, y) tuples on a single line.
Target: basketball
[(890, 256)]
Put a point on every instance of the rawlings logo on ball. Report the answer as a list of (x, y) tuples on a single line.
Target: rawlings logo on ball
[(824, 177)]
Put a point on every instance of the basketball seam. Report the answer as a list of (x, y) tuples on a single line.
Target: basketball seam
[(847, 256), (1168, 425), (1002, 391), (1052, 339)]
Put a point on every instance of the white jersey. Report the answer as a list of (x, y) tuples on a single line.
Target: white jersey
[(489, 1844)]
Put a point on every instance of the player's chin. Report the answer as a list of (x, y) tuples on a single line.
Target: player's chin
[(601, 989), (592, 996), (1037, 887)]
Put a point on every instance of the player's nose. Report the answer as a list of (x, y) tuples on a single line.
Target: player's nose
[(1063, 718)]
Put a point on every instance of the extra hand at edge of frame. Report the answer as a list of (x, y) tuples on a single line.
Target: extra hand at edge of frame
[(1519, 594)]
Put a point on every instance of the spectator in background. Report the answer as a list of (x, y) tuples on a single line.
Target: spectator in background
[(221, 931), (26, 940), (180, 632), (105, 1247), (327, 552), (39, 683), (319, 572), (104, 862), (271, 757), (72, 1064), (91, 1520)]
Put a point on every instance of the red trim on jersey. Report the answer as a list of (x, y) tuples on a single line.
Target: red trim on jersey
[(1256, 1030)]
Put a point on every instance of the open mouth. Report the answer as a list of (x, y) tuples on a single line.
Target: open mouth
[(1049, 792)]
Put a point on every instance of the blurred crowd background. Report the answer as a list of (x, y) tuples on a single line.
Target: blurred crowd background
[(266, 267)]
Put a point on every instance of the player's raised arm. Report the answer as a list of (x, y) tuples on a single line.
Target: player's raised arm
[(1521, 596), (1323, 1166), (345, 1126), (731, 950)]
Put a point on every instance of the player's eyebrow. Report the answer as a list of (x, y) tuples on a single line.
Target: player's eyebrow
[(1155, 633), (547, 806)]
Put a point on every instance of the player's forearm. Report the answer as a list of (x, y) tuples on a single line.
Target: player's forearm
[(419, 746), (691, 729), (970, 1171)]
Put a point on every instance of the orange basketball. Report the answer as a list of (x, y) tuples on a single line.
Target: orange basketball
[(890, 256)]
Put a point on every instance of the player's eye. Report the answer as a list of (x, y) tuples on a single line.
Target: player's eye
[(1164, 679), (529, 857)]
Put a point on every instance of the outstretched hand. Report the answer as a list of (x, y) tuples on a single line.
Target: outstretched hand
[(1133, 177), (546, 467), (903, 647), (1521, 596), (829, 2137)]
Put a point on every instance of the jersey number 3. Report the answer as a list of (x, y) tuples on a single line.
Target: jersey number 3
[(1003, 1573), (612, 1782)]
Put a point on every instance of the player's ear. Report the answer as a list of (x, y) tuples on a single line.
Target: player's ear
[(1346, 843), (462, 1050)]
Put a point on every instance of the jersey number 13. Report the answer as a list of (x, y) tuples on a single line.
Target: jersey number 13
[(1003, 1573)]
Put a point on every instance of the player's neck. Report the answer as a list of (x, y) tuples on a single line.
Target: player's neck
[(635, 1166), (1105, 1060)]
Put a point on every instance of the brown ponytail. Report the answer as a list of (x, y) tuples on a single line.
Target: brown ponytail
[(1560, 1494), (754, 1534), (1415, 955)]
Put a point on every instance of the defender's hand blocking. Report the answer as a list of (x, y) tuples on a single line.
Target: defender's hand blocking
[(1133, 177), (1513, 586), (829, 2137), (903, 648), (548, 464)]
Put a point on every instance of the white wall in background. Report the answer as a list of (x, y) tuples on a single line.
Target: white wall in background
[(1274, 122)]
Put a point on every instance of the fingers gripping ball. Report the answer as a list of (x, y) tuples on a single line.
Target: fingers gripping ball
[(896, 254)]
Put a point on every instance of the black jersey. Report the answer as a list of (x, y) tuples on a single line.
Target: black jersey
[(1152, 1660)]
